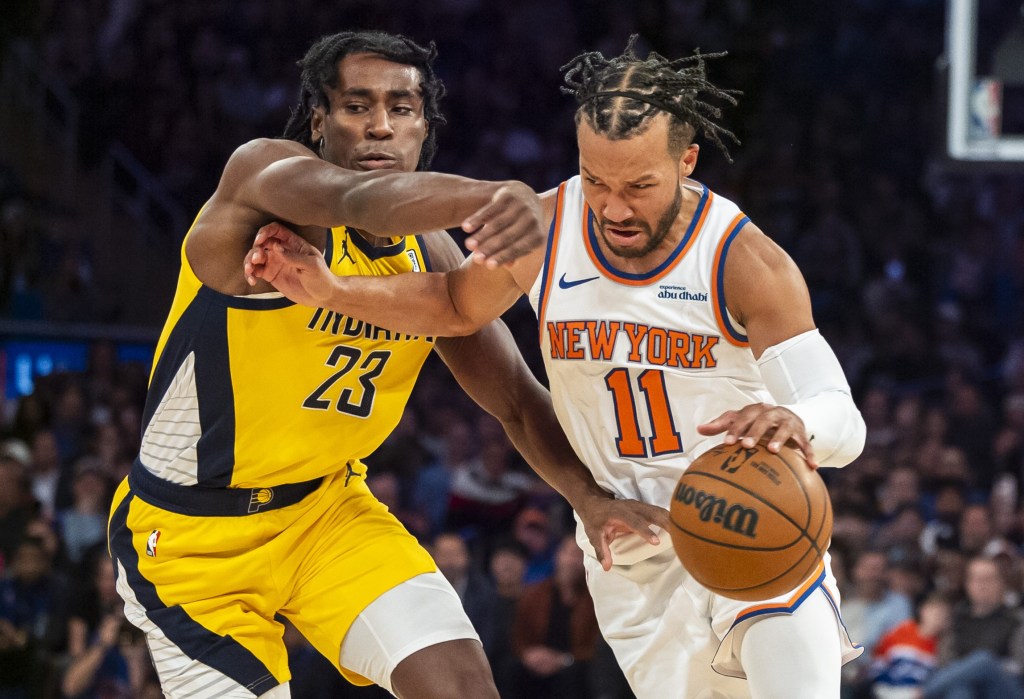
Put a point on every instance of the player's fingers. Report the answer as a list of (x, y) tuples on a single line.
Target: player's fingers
[(718, 425), (296, 258), (494, 234), (250, 268), (763, 424), (794, 434), (657, 516), (267, 231), (483, 216), (739, 426), (782, 434)]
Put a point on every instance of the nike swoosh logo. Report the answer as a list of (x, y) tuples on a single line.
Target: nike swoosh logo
[(563, 284)]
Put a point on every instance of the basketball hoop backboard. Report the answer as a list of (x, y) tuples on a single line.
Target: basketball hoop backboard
[(985, 103)]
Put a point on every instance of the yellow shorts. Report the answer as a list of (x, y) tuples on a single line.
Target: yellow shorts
[(206, 589)]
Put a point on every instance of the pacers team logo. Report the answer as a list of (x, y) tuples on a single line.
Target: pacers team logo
[(260, 497), (154, 536)]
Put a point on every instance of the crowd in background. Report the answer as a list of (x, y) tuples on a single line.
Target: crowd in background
[(916, 274)]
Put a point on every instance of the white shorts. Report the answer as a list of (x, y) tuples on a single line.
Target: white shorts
[(420, 612), (675, 638)]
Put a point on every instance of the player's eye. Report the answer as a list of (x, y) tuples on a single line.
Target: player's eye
[(355, 108), (642, 186), (403, 109)]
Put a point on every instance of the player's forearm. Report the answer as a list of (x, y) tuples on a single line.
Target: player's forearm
[(451, 304), (804, 375), (536, 433), (414, 303), (309, 191)]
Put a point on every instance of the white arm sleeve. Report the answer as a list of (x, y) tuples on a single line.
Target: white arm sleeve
[(804, 375)]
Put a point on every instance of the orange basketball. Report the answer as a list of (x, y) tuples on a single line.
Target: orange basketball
[(749, 524)]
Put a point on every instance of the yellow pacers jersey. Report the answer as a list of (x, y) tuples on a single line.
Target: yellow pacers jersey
[(259, 391)]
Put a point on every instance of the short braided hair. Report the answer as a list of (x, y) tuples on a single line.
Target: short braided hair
[(619, 96), (320, 71)]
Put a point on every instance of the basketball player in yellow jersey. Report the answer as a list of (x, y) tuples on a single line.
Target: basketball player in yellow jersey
[(248, 500), (668, 324)]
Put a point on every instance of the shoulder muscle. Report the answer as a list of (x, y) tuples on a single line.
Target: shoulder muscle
[(765, 290)]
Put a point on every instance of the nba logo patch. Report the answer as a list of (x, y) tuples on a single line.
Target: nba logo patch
[(154, 536)]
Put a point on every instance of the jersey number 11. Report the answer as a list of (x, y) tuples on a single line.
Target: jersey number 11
[(665, 439)]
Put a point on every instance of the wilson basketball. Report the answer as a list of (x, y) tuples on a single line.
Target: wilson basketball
[(749, 524)]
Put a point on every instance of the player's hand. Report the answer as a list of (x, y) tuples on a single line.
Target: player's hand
[(606, 519), (758, 421), (511, 225), (288, 262)]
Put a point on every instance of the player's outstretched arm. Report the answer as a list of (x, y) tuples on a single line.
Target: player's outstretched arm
[(419, 303), (284, 180), (458, 302), (766, 293)]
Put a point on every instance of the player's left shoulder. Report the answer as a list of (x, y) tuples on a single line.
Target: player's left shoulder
[(754, 253), (761, 278)]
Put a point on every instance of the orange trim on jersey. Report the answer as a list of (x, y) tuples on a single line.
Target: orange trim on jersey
[(549, 260), (717, 299), (606, 270), (789, 605)]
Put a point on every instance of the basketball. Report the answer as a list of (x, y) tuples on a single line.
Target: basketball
[(749, 524)]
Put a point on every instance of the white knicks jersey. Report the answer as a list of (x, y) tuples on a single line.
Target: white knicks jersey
[(637, 361)]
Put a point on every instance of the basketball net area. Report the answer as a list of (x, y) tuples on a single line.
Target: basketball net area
[(984, 62)]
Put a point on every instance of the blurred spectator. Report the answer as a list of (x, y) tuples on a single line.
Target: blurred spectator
[(387, 488), (507, 567), (908, 654), (978, 658), (70, 420), (108, 657), (556, 632), (32, 599), (84, 524), (977, 534), (486, 492), (474, 589), (14, 507), (1008, 444), (533, 531), (48, 481), (870, 608)]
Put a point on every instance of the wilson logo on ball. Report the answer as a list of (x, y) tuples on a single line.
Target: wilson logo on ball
[(735, 517)]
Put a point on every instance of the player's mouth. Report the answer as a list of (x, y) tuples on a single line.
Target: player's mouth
[(622, 236), (376, 161)]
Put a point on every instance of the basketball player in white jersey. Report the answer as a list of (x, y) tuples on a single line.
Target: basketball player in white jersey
[(669, 323)]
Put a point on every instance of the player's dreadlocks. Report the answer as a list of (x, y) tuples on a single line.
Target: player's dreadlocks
[(320, 71), (619, 96)]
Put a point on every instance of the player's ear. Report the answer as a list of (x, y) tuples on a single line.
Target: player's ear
[(316, 124), (688, 159)]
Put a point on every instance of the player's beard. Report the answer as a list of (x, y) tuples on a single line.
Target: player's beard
[(654, 236)]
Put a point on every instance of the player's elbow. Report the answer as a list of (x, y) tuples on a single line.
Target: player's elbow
[(460, 326), (459, 323), (850, 440)]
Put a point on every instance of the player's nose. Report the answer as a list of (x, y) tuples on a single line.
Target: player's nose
[(379, 123), (616, 210)]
